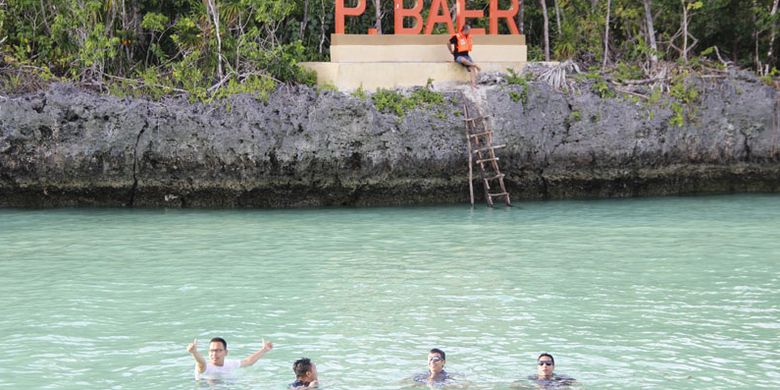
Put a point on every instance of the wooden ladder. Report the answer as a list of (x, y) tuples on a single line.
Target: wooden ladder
[(479, 137)]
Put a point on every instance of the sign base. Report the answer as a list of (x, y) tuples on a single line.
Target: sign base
[(392, 61)]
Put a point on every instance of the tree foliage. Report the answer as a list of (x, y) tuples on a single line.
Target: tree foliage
[(202, 46)]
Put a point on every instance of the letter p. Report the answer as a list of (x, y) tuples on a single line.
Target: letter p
[(342, 11)]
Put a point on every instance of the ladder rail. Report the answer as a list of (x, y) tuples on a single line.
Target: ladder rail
[(471, 165), (479, 137), (477, 144)]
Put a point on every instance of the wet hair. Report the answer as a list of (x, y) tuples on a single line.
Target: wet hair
[(548, 355), (440, 352), (219, 340), (301, 367)]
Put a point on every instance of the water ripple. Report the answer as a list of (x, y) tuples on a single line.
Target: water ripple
[(650, 293)]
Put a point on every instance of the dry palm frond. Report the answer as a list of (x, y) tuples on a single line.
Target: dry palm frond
[(555, 74)]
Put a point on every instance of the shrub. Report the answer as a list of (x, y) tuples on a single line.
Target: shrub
[(394, 102), (513, 78)]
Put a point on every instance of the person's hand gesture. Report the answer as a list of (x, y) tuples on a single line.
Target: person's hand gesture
[(267, 345), (193, 346)]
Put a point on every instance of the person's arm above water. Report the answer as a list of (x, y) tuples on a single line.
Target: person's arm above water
[(251, 359), (200, 362)]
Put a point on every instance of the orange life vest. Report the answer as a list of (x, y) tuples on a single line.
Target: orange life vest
[(464, 42)]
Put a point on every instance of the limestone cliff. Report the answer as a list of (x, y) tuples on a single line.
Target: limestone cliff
[(65, 147)]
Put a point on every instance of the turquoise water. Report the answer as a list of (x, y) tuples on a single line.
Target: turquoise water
[(650, 293)]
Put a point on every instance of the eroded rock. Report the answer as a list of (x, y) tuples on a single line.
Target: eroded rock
[(66, 147)]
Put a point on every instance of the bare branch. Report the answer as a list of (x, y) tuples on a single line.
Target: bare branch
[(717, 53), (216, 86), (143, 83), (638, 82), (632, 93)]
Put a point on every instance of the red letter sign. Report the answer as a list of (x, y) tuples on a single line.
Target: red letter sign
[(414, 12), (342, 11), (509, 14), (463, 13), (439, 13)]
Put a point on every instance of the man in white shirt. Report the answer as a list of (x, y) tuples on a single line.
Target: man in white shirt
[(217, 366)]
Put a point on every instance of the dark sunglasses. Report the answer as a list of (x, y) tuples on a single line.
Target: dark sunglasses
[(435, 359), (545, 363)]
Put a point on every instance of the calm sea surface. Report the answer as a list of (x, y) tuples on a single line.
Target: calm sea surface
[(668, 293)]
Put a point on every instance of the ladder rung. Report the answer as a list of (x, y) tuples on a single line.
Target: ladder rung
[(476, 118), (487, 159), (500, 175), (488, 148), (500, 194), (480, 134)]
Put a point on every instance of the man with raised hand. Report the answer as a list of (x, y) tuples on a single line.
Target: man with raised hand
[(217, 366)]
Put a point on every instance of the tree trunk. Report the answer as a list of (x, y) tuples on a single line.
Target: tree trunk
[(685, 31), (546, 30), (378, 13), (323, 34), (520, 17), (305, 18), (558, 16), (45, 18), (606, 35), (134, 24), (769, 55), (110, 16), (651, 34), (212, 10), (755, 37)]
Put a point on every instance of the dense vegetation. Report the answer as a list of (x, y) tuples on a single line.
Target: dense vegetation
[(210, 48)]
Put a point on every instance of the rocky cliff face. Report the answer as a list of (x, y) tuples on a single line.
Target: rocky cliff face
[(66, 147)]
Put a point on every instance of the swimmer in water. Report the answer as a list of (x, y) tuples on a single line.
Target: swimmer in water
[(217, 366), (545, 377), (436, 374), (305, 375)]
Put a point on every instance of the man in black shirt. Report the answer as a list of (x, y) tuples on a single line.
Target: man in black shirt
[(436, 374), (460, 45), (545, 378), (305, 375)]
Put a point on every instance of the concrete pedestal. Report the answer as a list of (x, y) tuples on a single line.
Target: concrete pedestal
[(390, 61)]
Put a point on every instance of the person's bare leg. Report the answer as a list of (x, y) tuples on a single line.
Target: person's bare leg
[(471, 64), (472, 68), (466, 62), (475, 70)]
